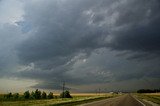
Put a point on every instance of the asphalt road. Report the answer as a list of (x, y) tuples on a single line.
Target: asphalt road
[(124, 100)]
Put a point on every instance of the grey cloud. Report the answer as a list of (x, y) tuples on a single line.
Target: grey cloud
[(47, 85), (141, 28), (63, 30), (60, 34), (132, 25), (9, 38)]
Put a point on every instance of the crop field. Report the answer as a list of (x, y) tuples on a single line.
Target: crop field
[(153, 97), (155, 94), (79, 98)]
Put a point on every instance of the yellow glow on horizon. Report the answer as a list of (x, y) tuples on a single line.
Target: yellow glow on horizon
[(15, 85)]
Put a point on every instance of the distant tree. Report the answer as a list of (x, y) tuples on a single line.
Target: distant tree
[(26, 95), (65, 94), (9, 95), (32, 95), (44, 95), (37, 94), (148, 91), (16, 95), (50, 95)]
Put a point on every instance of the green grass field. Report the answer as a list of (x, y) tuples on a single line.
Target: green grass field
[(153, 97), (77, 99)]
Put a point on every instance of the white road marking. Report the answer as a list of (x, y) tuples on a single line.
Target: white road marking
[(153, 104), (139, 101)]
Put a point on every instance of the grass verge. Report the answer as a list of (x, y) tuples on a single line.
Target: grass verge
[(152, 98), (78, 102)]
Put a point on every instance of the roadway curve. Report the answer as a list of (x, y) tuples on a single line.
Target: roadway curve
[(124, 100)]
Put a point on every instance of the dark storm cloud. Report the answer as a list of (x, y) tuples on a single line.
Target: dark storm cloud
[(65, 36), (60, 33), (63, 30), (9, 37), (143, 39), (141, 24), (51, 86)]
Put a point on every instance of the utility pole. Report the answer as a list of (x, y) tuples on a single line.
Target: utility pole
[(99, 91), (96, 91), (63, 88)]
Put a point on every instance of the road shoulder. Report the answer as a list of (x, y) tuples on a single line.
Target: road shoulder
[(145, 102), (150, 103)]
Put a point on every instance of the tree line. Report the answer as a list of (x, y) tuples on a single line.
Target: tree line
[(148, 91), (37, 94)]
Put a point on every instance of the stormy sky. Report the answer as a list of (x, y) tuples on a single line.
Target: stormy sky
[(89, 44)]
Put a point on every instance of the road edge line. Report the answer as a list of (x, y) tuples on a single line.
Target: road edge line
[(139, 101)]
